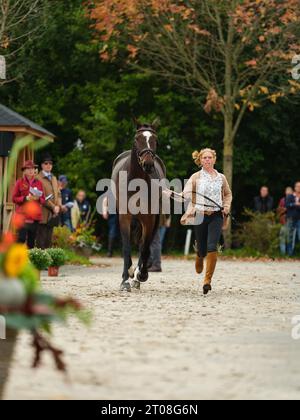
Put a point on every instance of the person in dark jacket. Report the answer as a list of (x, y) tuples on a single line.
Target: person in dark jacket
[(282, 214), (264, 202), (293, 218), (29, 189), (67, 202), (113, 227)]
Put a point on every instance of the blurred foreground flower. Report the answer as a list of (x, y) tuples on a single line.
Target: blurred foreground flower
[(32, 210), (18, 221), (16, 260), (7, 240)]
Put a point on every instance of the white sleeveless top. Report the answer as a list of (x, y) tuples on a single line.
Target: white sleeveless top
[(210, 186)]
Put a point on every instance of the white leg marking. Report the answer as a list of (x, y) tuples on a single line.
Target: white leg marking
[(131, 271), (137, 271)]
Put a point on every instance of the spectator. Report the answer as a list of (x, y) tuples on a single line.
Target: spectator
[(264, 202), (282, 211), (81, 210), (29, 189), (293, 218), (157, 245), (52, 207), (113, 227), (67, 202), (165, 226)]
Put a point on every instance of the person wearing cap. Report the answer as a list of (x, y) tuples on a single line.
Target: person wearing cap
[(52, 208), (67, 202), (29, 189)]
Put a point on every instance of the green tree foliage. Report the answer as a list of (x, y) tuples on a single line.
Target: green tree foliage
[(63, 86)]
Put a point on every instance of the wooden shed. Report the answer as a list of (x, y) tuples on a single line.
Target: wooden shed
[(14, 126)]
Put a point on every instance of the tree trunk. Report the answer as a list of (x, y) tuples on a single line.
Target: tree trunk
[(228, 165), (6, 354)]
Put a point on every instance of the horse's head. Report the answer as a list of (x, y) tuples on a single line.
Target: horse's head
[(146, 145)]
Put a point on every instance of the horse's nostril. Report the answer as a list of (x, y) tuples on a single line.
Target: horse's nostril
[(148, 167)]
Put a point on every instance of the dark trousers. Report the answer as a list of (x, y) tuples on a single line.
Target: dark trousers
[(155, 257), (113, 226), (44, 237), (27, 235), (208, 234)]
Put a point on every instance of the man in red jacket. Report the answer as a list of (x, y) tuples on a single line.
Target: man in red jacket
[(29, 189)]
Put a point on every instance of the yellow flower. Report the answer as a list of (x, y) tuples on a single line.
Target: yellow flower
[(16, 260)]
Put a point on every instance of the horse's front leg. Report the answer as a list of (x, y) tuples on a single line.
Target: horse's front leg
[(143, 274), (149, 231), (125, 228)]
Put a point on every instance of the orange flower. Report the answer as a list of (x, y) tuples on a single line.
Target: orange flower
[(7, 240), (18, 221), (32, 210)]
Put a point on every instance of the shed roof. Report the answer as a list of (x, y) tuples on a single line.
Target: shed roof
[(11, 120)]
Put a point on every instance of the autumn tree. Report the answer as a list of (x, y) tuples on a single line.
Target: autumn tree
[(20, 22), (238, 53)]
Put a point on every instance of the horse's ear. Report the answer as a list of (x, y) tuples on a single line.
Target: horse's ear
[(136, 123), (156, 123)]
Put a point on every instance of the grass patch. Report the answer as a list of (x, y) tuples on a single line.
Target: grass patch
[(253, 253), (75, 259)]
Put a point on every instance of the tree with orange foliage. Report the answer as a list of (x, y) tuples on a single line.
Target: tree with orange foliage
[(238, 53)]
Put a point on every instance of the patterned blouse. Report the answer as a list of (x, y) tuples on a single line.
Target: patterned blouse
[(210, 186)]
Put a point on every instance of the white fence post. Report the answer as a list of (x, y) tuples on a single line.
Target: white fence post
[(2, 328), (2, 67), (188, 242)]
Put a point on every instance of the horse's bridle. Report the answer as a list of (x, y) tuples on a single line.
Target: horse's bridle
[(145, 151)]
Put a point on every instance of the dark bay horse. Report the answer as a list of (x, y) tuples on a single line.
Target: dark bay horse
[(141, 163)]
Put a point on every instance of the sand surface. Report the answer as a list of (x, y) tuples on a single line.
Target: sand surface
[(170, 342)]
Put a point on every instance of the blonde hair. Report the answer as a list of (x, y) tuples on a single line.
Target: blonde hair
[(197, 156)]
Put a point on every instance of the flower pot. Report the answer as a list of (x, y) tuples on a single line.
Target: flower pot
[(53, 271), (7, 348)]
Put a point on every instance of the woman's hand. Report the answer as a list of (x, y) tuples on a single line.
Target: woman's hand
[(56, 210), (225, 213), (31, 197)]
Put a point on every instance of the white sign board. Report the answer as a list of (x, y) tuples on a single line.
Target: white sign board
[(2, 328), (2, 67)]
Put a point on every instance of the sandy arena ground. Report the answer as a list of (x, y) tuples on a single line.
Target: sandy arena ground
[(170, 342)]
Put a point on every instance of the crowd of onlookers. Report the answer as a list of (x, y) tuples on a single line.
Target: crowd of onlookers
[(288, 211), (54, 204)]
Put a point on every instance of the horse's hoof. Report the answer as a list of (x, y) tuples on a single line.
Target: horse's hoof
[(142, 277), (125, 287), (206, 289), (136, 285), (131, 272)]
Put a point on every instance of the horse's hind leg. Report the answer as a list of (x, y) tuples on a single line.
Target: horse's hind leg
[(125, 223)]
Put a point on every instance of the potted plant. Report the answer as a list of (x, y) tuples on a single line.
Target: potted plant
[(58, 259), (40, 259), (24, 306), (62, 237), (85, 241)]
